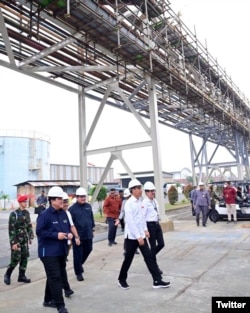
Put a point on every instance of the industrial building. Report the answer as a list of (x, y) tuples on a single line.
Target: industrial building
[(25, 157)]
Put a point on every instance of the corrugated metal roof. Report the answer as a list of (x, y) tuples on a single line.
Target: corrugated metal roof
[(50, 183)]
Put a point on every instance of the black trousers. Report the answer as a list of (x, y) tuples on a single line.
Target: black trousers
[(156, 238), (111, 229), (131, 246), (55, 268), (80, 254)]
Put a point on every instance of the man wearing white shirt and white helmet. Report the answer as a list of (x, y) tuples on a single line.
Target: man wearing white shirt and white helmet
[(150, 211), (135, 236)]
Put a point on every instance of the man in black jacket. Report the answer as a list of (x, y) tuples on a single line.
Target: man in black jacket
[(83, 219)]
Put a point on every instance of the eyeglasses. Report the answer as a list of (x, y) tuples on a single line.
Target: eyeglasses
[(81, 196)]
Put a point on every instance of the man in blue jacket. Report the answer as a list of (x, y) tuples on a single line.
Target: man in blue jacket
[(53, 232), (202, 203), (83, 219)]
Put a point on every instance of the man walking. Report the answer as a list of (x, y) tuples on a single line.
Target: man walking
[(53, 232), (202, 204), (135, 236), (20, 235), (150, 210), (83, 219), (111, 209)]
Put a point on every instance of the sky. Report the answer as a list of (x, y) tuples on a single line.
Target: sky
[(30, 104)]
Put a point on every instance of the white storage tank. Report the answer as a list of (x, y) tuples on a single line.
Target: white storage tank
[(24, 155)]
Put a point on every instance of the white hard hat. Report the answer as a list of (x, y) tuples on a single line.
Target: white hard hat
[(65, 196), (201, 183), (55, 192), (133, 183), (126, 193), (149, 186), (81, 192)]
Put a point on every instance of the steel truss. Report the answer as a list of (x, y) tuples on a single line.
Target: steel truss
[(88, 47)]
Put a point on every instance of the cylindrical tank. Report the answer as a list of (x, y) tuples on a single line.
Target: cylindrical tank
[(24, 156)]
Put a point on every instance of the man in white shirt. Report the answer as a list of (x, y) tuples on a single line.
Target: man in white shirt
[(150, 211), (135, 236)]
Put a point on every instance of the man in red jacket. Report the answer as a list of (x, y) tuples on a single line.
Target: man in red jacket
[(111, 209), (229, 194)]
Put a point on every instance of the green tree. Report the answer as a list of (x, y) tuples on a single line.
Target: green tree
[(100, 197), (172, 195), (4, 197)]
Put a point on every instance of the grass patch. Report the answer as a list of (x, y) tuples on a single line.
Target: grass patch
[(99, 219), (177, 205)]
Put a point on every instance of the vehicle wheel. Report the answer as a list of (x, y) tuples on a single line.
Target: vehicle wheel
[(214, 216)]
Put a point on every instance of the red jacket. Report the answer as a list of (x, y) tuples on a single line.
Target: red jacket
[(229, 194), (112, 206)]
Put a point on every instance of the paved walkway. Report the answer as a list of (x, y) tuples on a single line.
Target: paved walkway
[(199, 262)]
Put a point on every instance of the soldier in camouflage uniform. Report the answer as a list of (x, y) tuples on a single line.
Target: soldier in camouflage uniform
[(20, 235)]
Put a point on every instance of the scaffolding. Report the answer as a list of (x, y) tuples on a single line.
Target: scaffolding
[(117, 52)]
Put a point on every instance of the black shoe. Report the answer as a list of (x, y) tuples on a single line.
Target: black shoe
[(114, 243), (49, 304), (68, 293), (79, 277), (123, 284), (62, 310), (204, 225), (110, 244), (161, 284), (7, 279), (228, 222), (23, 279)]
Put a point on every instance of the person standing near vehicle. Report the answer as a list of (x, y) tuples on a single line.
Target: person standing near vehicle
[(111, 208), (201, 204), (191, 197), (83, 219), (53, 232), (135, 236), (213, 196), (150, 210), (229, 194), (20, 236)]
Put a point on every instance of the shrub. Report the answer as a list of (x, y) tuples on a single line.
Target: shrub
[(187, 189), (172, 195)]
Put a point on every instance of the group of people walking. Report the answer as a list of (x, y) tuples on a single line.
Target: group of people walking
[(202, 201), (59, 227)]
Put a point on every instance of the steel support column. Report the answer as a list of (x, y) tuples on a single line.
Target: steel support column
[(153, 111), (82, 138)]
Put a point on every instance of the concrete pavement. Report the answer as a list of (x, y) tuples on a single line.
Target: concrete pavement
[(199, 262)]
